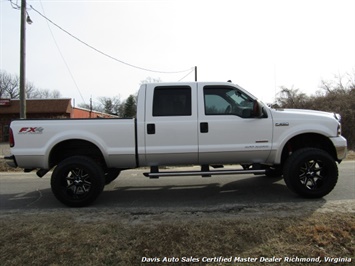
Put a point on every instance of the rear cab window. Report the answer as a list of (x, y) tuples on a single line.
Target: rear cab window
[(172, 101)]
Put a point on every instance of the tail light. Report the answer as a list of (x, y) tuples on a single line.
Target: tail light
[(11, 138)]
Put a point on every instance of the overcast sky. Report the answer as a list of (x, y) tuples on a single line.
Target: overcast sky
[(260, 45)]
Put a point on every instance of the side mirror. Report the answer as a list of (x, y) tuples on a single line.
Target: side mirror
[(257, 109)]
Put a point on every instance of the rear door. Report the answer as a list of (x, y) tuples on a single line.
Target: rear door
[(171, 125)]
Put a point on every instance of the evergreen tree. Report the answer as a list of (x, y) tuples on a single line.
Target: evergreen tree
[(130, 107)]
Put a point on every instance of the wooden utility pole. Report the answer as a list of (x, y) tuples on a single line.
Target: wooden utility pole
[(23, 61)]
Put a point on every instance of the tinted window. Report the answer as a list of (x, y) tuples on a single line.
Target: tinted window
[(172, 101), (225, 100)]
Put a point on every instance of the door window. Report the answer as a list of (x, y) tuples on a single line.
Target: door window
[(224, 100), (172, 101)]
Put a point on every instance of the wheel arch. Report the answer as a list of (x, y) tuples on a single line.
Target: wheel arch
[(75, 147), (307, 140)]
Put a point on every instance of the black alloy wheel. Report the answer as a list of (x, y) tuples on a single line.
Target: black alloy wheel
[(77, 181), (311, 173)]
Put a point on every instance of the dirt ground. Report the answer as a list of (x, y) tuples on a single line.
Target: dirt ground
[(266, 235)]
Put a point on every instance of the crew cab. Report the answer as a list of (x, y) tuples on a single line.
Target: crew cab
[(196, 123)]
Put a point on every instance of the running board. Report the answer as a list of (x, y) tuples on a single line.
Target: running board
[(157, 174)]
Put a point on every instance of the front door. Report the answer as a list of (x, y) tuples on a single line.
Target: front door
[(228, 130)]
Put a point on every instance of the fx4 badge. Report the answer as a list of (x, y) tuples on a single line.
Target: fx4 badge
[(31, 130), (282, 124)]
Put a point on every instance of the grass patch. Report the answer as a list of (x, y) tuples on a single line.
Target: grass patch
[(66, 239)]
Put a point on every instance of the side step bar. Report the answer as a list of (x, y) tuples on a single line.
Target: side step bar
[(157, 174)]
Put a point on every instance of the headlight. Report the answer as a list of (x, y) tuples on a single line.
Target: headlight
[(338, 117), (339, 130)]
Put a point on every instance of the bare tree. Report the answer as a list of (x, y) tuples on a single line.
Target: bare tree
[(150, 80), (9, 85), (9, 88), (291, 98), (110, 105), (336, 95), (33, 93)]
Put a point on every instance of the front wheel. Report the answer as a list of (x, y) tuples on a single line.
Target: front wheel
[(77, 181), (311, 173)]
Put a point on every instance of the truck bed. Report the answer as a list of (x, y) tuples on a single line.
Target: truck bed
[(116, 139)]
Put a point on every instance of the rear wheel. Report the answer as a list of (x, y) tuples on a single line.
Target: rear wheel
[(77, 181), (311, 173)]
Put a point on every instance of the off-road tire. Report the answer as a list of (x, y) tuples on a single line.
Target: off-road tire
[(311, 173), (77, 181)]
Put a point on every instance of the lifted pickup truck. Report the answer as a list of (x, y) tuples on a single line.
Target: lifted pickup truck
[(197, 123)]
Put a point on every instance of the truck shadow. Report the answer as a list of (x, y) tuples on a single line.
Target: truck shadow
[(251, 190), (167, 194)]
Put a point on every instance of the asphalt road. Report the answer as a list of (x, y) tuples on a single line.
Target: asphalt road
[(131, 191)]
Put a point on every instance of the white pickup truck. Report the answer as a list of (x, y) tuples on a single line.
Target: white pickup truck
[(199, 123)]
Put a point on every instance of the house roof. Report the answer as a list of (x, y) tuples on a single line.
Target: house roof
[(38, 106)]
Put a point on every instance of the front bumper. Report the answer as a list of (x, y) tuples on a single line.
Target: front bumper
[(341, 147), (11, 161)]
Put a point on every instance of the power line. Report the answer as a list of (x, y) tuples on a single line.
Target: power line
[(61, 54), (15, 5), (192, 70), (105, 54)]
